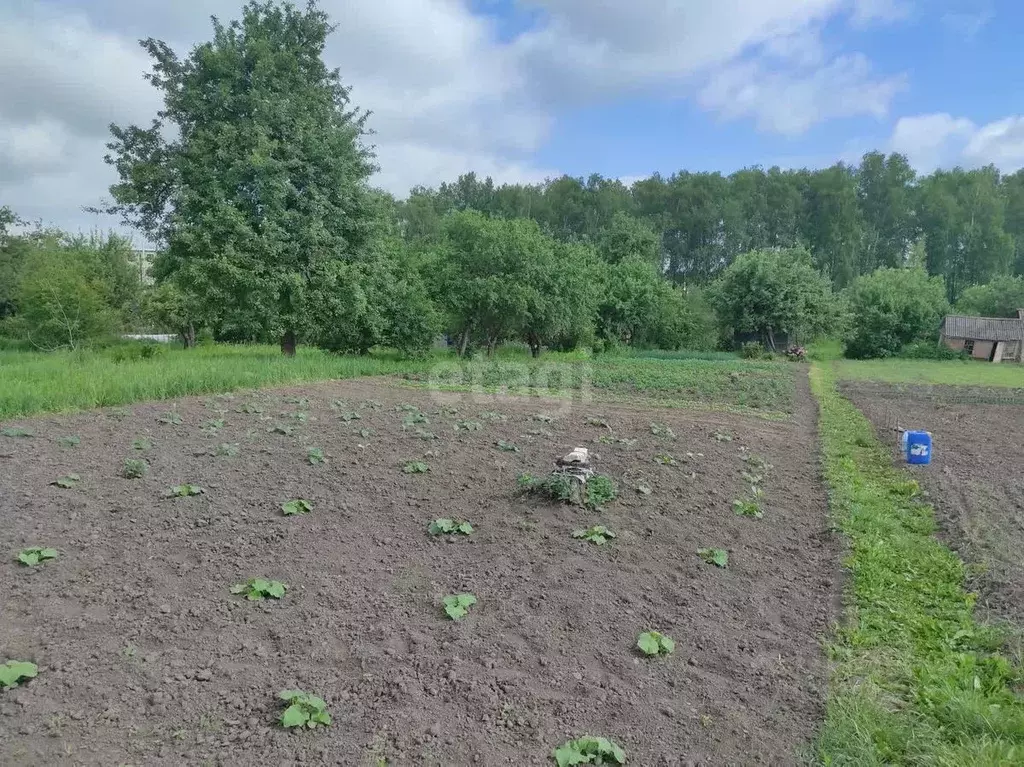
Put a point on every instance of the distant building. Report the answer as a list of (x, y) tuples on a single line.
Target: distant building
[(995, 339)]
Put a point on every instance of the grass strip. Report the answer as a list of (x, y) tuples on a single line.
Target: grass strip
[(915, 679)]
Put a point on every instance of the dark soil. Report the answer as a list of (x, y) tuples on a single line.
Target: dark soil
[(975, 479), (146, 658)]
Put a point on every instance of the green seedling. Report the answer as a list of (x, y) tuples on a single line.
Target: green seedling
[(525, 481), (297, 506), (490, 415), (249, 408), (606, 439), (661, 430), (457, 606), (350, 416), (214, 424), (508, 447), (598, 491), (757, 462), (16, 432), (598, 534), (468, 426), (717, 557), (364, 433), (304, 710), (315, 456), (170, 417), (722, 437), (665, 459), (134, 468), (413, 419), (562, 488), (185, 491), (297, 401), (752, 479), (13, 672), (372, 404), (67, 481), (415, 467), (142, 444), (298, 416), (228, 449), (597, 422), (655, 643), (339, 404), (747, 508), (281, 429), (588, 750), (33, 556), (260, 588), (449, 527), (71, 441), (425, 435)]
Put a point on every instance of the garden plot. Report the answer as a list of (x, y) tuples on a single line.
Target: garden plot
[(377, 553), (975, 479)]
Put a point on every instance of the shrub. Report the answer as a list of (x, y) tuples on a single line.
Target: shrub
[(752, 350), (891, 308)]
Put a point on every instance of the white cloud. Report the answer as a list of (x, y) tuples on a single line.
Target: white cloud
[(967, 25), (941, 140)]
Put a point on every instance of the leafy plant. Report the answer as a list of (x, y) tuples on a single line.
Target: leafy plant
[(304, 710), (16, 432), (134, 468), (490, 415), (655, 643), (717, 557), (170, 417), (598, 534), (249, 408), (33, 556), (747, 508), (597, 422), (661, 430), (449, 527), (415, 467), (298, 415), (14, 672), (315, 456), (457, 606), (260, 588), (753, 479), (228, 449), (588, 750), (405, 407), (296, 506), (338, 404), (526, 481), (351, 416), (372, 404), (214, 424), (468, 426), (425, 435), (184, 491), (142, 444), (757, 462), (508, 447), (665, 459), (598, 491), (297, 401), (722, 437), (364, 433), (70, 441), (67, 481)]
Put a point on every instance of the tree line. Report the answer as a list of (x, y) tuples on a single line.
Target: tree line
[(255, 182)]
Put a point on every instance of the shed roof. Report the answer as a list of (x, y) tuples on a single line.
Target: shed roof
[(983, 328)]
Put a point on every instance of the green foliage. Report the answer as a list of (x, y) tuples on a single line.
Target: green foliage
[(655, 643), (70, 441), (929, 350), (598, 534), (214, 425), (350, 416), (1001, 297), (917, 678), (228, 449), (185, 491), (598, 491), (303, 710), (717, 557), (457, 606), (16, 432), (661, 430), (296, 506), (490, 415), (425, 435), (257, 589), (468, 426), (752, 350), (134, 468), (415, 467), (892, 308), (450, 527), (508, 447), (67, 481), (33, 556), (414, 418), (774, 291), (142, 444), (665, 459), (748, 507), (171, 417), (588, 750), (13, 672), (315, 456)]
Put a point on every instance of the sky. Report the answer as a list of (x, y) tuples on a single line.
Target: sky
[(523, 90)]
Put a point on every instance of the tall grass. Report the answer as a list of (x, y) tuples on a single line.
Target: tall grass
[(953, 372), (32, 382), (916, 680)]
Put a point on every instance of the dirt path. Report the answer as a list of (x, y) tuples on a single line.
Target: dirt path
[(147, 659)]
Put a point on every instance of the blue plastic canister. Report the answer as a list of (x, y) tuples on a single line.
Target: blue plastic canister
[(918, 446)]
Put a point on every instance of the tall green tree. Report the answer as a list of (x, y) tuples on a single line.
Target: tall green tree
[(1013, 194), (886, 195), (629, 237), (773, 292), (891, 308), (260, 195), (1003, 297), (832, 223)]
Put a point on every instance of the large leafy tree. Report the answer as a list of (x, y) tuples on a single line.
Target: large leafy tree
[(891, 308), (1003, 297), (254, 173), (770, 292), (832, 223), (886, 194)]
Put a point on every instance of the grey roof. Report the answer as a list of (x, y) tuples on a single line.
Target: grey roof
[(983, 328)]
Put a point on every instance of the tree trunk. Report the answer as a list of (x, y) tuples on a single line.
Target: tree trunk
[(463, 343), (534, 342), (288, 343), (188, 336)]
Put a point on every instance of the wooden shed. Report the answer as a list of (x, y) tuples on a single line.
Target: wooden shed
[(995, 339)]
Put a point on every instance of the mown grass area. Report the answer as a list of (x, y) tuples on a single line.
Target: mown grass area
[(953, 372), (33, 382), (767, 388), (916, 680)]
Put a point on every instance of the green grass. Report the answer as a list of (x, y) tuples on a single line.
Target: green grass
[(766, 388), (916, 680), (954, 372), (35, 382)]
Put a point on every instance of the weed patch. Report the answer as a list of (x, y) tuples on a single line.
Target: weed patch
[(35, 556), (598, 535), (134, 468), (415, 467)]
